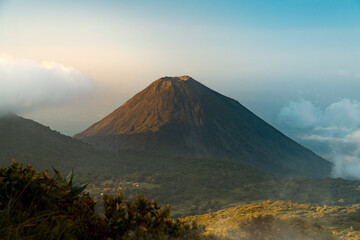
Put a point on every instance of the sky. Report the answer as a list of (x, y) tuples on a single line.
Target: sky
[(295, 63)]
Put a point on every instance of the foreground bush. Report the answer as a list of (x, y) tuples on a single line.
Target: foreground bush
[(34, 205)]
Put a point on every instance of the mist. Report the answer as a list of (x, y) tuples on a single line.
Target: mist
[(26, 85), (333, 132)]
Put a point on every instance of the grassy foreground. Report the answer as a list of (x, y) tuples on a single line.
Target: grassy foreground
[(282, 220)]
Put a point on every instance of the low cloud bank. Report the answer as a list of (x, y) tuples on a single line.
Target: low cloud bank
[(27, 85), (336, 128)]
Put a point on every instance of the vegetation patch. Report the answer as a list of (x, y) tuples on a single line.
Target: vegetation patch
[(282, 220), (34, 205)]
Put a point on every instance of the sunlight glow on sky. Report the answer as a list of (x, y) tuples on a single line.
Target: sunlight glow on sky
[(262, 53)]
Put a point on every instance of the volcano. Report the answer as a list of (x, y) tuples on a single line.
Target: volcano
[(179, 116)]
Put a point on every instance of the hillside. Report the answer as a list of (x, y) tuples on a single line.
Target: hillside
[(205, 184), (203, 181), (29, 142), (283, 220), (179, 116)]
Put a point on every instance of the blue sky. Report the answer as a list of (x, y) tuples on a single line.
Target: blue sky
[(245, 49), (281, 59)]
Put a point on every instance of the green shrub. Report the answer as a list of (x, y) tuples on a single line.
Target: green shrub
[(36, 206), (143, 219)]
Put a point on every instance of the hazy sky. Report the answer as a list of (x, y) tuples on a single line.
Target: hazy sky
[(67, 64)]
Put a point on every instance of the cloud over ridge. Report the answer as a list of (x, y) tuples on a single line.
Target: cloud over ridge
[(336, 128), (26, 85)]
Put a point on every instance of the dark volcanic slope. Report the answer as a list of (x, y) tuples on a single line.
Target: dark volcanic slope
[(29, 142), (180, 116)]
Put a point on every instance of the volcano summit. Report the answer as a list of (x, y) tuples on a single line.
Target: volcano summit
[(179, 116)]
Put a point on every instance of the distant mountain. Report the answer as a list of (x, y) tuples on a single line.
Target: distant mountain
[(181, 117)]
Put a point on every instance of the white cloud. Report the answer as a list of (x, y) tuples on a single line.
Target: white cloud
[(355, 137), (26, 85), (347, 73), (315, 137), (342, 114), (337, 128), (302, 114)]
